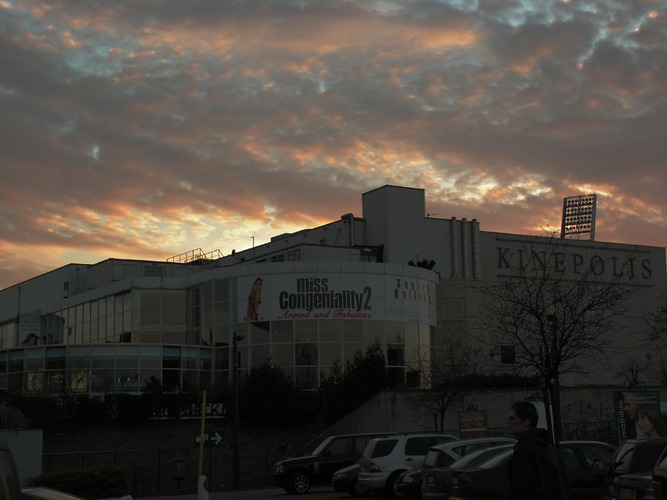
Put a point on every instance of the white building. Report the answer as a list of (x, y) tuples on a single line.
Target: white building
[(304, 301)]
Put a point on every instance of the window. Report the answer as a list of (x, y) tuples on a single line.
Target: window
[(383, 447)]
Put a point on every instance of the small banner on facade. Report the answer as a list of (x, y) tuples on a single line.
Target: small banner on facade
[(638, 414)]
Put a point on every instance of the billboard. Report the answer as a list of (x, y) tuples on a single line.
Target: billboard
[(638, 414), (301, 296)]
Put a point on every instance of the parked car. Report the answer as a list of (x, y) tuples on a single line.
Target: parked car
[(409, 483), (297, 475), (659, 477), (633, 456), (635, 486), (385, 458), (585, 463), (10, 484), (346, 480), (437, 480), (46, 494)]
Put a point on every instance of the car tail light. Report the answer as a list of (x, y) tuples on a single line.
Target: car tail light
[(374, 468), (464, 483)]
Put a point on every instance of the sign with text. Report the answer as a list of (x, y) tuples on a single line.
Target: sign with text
[(336, 296)]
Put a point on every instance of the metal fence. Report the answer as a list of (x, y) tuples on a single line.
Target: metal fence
[(176, 471)]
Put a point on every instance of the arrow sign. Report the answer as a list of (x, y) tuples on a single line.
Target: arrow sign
[(214, 439)]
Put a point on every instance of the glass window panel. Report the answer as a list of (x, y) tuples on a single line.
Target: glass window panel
[(395, 355), (394, 332), (411, 329), (260, 354), (171, 380), (221, 313), (330, 353), (149, 311), (100, 379), (282, 355), (330, 330), (127, 357), (34, 359), (173, 308), (259, 332), (374, 331), (191, 382), (127, 312), (351, 348), (205, 359), (282, 331), (396, 377), (171, 357), (174, 337), (353, 331), (94, 320), (206, 293), (16, 361), (190, 358), (305, 354), (147, 337), (221, 290), (305, 330), (222, 358)]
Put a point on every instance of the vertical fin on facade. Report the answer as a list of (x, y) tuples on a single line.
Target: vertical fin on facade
[(474, 227), (465, 253), (455, 248)]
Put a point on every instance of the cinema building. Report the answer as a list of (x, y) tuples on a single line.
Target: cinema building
[(304, 301)]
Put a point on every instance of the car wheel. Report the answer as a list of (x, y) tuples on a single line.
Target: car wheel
[(389, 491), (299, 482), (357, 491)]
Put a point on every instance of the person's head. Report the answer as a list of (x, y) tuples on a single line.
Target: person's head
[(521, 418), (630, 404), (648, 420)]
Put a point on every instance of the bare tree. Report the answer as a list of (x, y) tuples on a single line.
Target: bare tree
[(554, 312), (444, 379)]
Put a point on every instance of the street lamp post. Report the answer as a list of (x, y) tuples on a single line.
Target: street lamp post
[(235, 415)]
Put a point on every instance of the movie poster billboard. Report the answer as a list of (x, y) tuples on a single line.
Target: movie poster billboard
[(351, 296), (638, 414)]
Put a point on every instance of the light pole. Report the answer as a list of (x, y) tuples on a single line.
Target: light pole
[(235, 416)]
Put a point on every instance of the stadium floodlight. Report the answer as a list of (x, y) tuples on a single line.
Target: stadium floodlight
[(579, 217)]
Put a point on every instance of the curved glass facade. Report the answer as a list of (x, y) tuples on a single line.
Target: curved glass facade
[(176, 335)]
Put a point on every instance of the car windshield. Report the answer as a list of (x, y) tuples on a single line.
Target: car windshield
[(498, 459), (321, 446)]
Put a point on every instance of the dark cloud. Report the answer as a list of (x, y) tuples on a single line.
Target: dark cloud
[(141, 129)]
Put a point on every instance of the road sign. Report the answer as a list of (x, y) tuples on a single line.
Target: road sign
[(210, 439)]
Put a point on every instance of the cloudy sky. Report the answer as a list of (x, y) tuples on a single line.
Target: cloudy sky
[(147, 128)]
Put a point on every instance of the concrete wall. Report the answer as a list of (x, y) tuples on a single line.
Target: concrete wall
[(395, 411)]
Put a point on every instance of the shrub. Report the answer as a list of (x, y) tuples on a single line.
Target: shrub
[(103, 482)]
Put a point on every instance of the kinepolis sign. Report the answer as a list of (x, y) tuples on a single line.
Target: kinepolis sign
[(603, 261), (336, 296)]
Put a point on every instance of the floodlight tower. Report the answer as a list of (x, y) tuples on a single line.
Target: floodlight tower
[(579, 217)]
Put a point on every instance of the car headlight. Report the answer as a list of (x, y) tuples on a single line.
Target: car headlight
[(278, 469), (408, 479)]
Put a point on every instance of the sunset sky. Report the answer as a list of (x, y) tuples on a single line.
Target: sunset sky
[(147, 128)]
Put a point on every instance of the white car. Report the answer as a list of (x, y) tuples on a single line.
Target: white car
[(385, 458)]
